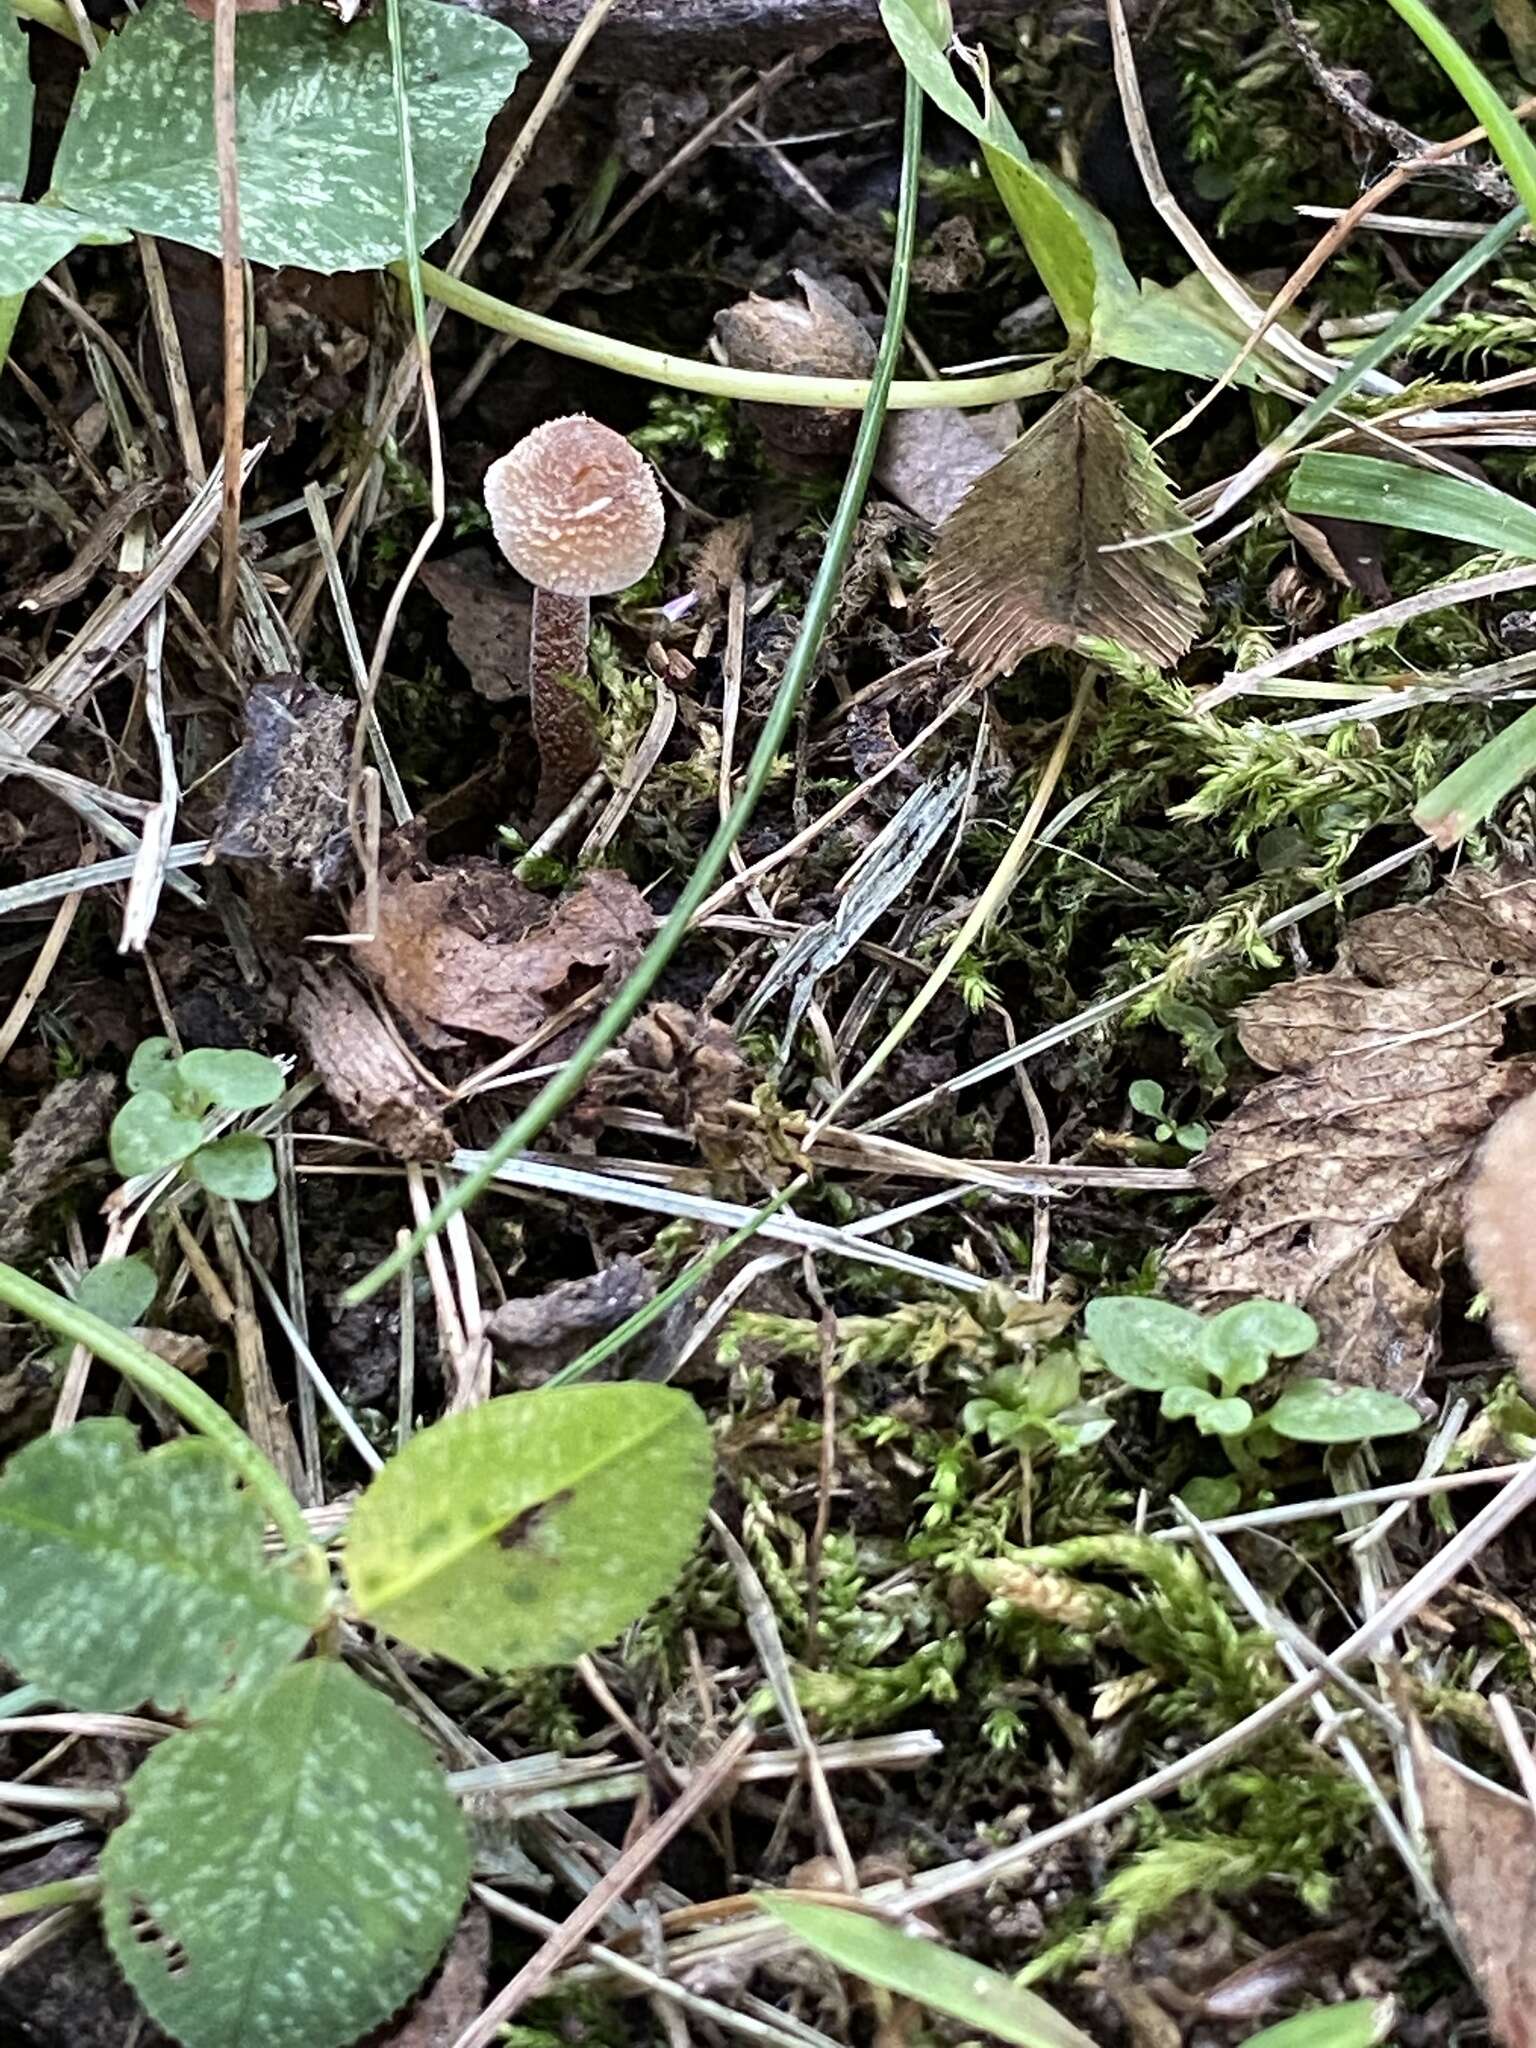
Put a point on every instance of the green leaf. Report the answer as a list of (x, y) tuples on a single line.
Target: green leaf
[(1148, 1344), (1237, 1346), (1024, 561), (315, 116), (1515, 149), (127, 1577), (34, 238), (119, 1291), (916, 1968), (238, 1167), (534, 1527), (289, 1874), (1460, 802), (153, 1066), (1361, 2023), (1186, 1402), (1231, 1417), (1418, 500), (230, 1080), (1210, 1499), (1327, 1412), (149, 1134), (15, 106), (1146, 1097)]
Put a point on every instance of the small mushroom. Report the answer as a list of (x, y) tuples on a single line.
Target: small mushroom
[(577, 512)]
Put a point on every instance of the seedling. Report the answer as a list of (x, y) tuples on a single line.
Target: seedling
[(1146, 1098), (1039, 1407), (293, 1860), (164, 1122), (1199, 1366)]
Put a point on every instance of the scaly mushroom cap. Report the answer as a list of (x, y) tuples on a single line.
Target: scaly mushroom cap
[(575, 509)]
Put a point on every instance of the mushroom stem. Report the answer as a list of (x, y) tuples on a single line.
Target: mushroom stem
[(564, 729)]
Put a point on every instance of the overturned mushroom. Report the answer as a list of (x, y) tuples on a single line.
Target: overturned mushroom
[(577, 512)]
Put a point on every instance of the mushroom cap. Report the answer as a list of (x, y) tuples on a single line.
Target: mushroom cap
[(575, 509)]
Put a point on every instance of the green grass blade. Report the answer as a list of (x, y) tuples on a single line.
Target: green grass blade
[(1474, 791), (1360, 2024), (936, 1977), (1382, 493), (1515, 149), (565, 1086)]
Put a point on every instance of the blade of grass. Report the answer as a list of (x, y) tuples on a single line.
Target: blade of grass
[(566, 1085), (935, 1976), (1380, 493), (1469, 794), (1516, 151), (1359, 2024)]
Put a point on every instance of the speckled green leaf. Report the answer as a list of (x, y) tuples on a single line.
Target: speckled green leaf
[(128, 1578), (319, 153), (1148, 1344), (1328, 1412), (528, 1530), (15, 106), (34, 238), (287, 1875)]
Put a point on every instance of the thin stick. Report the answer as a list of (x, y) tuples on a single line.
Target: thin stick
[(638, 1857), (225, 18)]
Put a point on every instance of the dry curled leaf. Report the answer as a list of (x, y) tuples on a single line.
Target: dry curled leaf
[(487, 625), (812, 336), (1022, 563), (471, 948), (287, 803), (1484, 1843), (929, 460), (363, 1070), (1500, 1204), (1338, 1184)]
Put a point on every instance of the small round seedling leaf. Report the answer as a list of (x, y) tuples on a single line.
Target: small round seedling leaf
[(1230, 1417), (127, 1577), (1180, 1403), (287, 1875), (153, 1066), (1148, 1344), (119, 1291), (1238, 1346), (231, 1080), (1146, 1097), (149, 1134), (1327, 1412), (1211, 1498), (532, 1528), (238, 1167)]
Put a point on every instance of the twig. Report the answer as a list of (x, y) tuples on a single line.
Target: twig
[(232, 272)]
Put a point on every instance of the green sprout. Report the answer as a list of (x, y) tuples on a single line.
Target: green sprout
[(1146, 1098), (1039, 1407), (164, 1122)]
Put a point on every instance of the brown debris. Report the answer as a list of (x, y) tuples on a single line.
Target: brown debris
[(287, 802), (812, 336), (471, 948), (70, 1123), (1338, 1184), (487, 625), (365, 1073), (454, 1997), (538, 1335), (691, 1068), (1499, 1206), (929, 460), (1484, 1843)]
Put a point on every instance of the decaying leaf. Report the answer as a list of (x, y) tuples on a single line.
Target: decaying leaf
[(1022, 563), (1338, 1184), (543, 1332), (287, 802), (487, 625), (929, 460), (70, 1122), (812, 336), (1499, 1206), (471, 948), (1484, 1843), (365, 1073)]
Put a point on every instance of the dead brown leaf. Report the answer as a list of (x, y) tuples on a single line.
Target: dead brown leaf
[(1484, 1843), (813, 336), (1338, 1184), (1030, 558), (365, 1073), (929, 460), (1500, 1204), (471, 948), (487, 626), (69, 1123)]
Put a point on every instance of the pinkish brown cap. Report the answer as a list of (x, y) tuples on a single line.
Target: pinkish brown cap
[(575, 509)]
